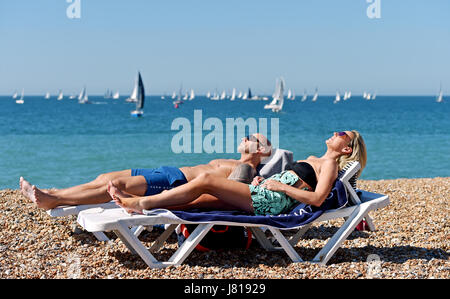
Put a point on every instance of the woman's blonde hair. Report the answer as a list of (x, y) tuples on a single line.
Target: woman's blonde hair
[(359, 153)]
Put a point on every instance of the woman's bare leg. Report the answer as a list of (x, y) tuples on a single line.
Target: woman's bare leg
[(94, 192), (231, 192)]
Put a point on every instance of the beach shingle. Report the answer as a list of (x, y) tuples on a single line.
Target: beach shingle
[(411, 241)]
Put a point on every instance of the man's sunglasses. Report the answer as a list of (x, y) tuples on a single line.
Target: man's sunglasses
[(252, 138)]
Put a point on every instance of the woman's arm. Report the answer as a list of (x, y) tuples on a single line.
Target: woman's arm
[(328, 175)]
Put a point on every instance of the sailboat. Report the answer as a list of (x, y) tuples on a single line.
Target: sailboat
[(116, 95), (305, 96), (15, 95), (60, 95), (215, 96), (278, 97), (347, 95), (21, 101), (140, 97), (440, 96), (293, 96), (191, 95), (249, 94), (233, 95), (179, 99), (47, 96), (83, 97), (338, 98), (316, 95), (223, 95)]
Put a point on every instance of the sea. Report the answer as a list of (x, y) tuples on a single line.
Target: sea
[(58, 144)]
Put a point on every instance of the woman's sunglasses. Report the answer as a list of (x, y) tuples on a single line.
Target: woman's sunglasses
[(343, 134)]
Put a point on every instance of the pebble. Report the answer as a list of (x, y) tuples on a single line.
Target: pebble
[(411, 241)]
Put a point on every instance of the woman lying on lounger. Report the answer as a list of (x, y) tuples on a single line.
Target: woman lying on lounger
[(308, 181)]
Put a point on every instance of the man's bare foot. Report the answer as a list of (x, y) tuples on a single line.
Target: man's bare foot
[(43, 200), (129, 203), (26, 188)]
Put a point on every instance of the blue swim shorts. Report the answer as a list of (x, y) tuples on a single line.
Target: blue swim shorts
[(160, 179)]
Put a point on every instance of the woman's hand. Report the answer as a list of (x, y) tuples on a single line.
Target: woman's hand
[(273, 185), (257, 180)]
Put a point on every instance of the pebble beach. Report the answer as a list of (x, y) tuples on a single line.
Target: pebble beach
[(412, 240)]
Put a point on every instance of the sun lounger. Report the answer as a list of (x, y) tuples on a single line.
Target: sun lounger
[(271, 165), (343, 202)]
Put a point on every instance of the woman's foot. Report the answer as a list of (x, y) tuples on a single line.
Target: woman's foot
[(126, 201)]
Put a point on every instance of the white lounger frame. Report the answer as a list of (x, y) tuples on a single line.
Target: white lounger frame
[(75, 210), (116, 220)]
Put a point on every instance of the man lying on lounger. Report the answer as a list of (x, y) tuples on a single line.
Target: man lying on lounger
[(146, 182)]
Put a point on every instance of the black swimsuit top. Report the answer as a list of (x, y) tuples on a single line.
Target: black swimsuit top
[(305, 172)]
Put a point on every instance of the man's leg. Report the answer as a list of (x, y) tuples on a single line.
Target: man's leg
[(101, 181), (94, 192)]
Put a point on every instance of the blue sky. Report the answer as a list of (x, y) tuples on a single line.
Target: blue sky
[(208, 44)]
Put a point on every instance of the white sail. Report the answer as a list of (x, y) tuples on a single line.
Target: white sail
[(134, 94), (316, 95), (233, 95), (21, 100), (289, 94), (191, 95), (47, 96), (223, 95), (338, 98), (60, 95), (15, 95), (83, 97), (305, 96), (278, 97), (116, 95), (440, 96)]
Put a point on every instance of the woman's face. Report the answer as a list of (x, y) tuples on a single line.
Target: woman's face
[(340, 140)]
